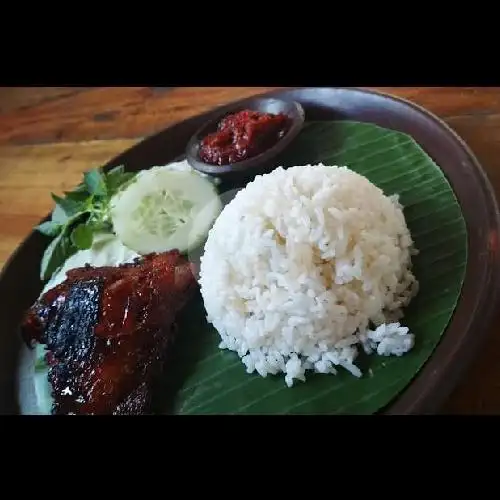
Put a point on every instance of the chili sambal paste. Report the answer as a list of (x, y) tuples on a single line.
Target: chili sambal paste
[(243, 135)]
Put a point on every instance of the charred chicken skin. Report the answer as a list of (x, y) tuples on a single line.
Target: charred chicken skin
[(107, 332)]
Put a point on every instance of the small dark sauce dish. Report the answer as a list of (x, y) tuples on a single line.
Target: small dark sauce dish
[(254, 165)]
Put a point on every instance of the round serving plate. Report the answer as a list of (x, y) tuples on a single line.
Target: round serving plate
[(20, 284)]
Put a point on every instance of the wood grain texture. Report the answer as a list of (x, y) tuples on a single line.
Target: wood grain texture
[(49, 136)]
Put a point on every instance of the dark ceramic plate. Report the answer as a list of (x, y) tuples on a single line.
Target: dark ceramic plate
[(20, 285)]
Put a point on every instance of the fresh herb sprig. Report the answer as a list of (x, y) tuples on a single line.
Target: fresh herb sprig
[(79, 215)]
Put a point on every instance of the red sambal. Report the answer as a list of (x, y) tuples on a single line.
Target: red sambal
[(243, 135)]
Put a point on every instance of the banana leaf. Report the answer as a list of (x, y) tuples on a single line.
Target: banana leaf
[(208, 380)]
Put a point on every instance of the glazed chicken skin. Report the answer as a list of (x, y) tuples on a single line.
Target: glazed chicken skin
[(108, 330)]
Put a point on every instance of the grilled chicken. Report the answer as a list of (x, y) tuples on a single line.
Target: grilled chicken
[(107, 332)]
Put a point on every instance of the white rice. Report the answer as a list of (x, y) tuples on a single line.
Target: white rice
[(302, 266)]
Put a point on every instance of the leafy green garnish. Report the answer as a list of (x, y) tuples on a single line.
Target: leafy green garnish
[(50, 228), (95, 182), (82, 236), (80, 214)]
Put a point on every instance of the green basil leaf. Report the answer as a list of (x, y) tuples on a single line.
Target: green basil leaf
[(68, 206), (59, 215), (117, 179), (49, 228), (82, 236), (95, 182), (53, 257)]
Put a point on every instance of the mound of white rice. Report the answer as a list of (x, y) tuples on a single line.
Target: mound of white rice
[(301, 264)]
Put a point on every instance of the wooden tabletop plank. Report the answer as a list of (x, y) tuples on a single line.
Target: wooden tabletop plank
[(111, 113), (49, 136), (131, 112)]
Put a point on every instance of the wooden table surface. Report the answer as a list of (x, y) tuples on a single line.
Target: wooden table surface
[(49, 136)]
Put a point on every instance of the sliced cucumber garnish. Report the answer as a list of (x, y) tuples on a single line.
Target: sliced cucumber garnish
[(165, 209), (43, 390)]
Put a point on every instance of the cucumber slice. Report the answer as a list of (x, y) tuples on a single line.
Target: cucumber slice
[(165, 209), (43, 390)]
